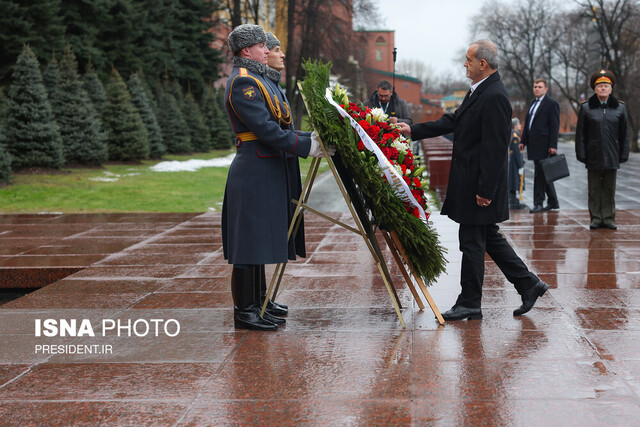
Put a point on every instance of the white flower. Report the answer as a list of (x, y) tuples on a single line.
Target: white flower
[(401, 146), (378, 115), (340, 94)]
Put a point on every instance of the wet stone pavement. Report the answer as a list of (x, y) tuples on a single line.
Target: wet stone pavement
[(343, 357)]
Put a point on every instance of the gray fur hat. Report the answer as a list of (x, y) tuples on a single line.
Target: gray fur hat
[(272, 41), (245, 35)]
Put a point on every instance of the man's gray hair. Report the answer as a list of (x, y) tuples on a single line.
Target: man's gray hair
[(488, 51)]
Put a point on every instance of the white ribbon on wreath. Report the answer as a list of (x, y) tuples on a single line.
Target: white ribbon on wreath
[(398, 184)]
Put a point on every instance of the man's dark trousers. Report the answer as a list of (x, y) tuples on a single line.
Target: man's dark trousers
[(475, 240), (540, 186)]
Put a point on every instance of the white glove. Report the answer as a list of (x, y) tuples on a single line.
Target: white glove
[(521, 171), (316, 150)]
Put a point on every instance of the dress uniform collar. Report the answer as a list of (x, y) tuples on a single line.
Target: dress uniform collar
[(250, 64), (274, 75)]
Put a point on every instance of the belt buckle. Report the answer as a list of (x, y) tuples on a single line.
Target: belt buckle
[(238, 142)]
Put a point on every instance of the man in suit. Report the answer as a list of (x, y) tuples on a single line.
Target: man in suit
[(477, 190), (540, 136)]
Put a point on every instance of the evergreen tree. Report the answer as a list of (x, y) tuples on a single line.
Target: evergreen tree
[(93, 86), (84, 21), (3, 108), (217, 122), (178, 39), (200, 140), (5, 163), (51, 77), (175, 134), (82, 139), (36, 23), (126, 135), (143, 104), (176, 91), (31, 135)]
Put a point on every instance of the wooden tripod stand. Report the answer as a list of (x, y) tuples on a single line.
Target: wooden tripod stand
[(365, 230)]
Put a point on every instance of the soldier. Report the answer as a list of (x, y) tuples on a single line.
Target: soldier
[(275, 62), (257, 207)]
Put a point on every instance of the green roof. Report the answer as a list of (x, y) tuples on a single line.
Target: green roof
[(398, 76), (451, 98)]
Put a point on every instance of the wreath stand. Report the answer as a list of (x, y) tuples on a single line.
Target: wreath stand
[(363, 229)]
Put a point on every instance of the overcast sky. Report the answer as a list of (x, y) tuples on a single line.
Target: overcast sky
[(437, 32)]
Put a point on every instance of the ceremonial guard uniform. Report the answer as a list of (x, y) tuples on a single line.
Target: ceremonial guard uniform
[(257, 205)]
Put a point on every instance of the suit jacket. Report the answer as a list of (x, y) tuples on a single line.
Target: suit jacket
[(543, 133), (481, 129)]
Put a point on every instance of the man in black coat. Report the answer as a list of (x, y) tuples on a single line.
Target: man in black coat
[(540, 136), (477, 189)]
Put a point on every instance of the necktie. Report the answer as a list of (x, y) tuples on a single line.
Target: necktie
[(466, 96), (532, 111)]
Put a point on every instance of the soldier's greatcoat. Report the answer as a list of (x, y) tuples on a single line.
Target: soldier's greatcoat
[(257, 210), (293, 165)]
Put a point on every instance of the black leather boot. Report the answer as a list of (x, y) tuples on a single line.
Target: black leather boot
[(273, 308), (246, 313), (269, 315)]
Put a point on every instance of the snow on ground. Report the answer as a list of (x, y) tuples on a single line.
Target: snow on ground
[(192, 165)]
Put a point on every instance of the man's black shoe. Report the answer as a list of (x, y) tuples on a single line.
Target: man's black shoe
[(459, 312), (269, 317), (276, 309), (609, 225), (529, 298), (595, 225), (552, 207), (536, 209), (249, 318)]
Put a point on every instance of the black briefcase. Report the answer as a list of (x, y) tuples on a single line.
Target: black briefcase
[(554, 167)]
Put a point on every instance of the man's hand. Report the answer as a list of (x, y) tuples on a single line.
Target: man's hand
[(482, 202), (553, 151), (393, 120), (521, 147), (405, 129)]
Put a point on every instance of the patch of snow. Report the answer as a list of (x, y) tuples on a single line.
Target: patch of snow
[(103, 179), (192, 165)]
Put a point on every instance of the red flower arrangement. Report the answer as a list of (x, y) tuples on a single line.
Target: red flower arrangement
[(395, 148)]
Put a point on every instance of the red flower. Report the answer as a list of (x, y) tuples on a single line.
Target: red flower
[(406, 179), (387, 138), (374, 132), (418, 195), (408, 160), (404, 168), (364, 124), (416, 182), (361, 146)]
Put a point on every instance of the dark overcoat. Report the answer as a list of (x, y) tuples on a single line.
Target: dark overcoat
[(543, 133), (293, 165), (257, 210), (480, 127), (602, 134)]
